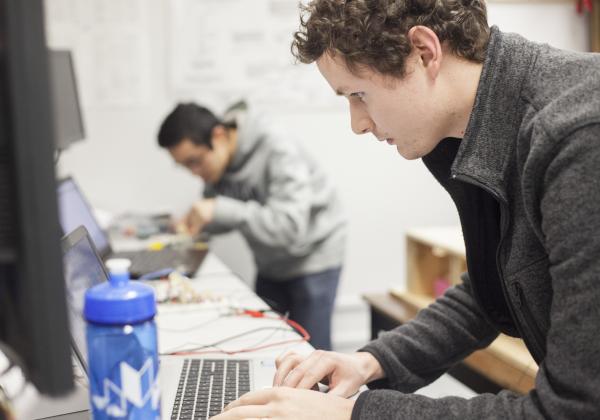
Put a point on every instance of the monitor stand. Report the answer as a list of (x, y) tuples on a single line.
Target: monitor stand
[(72, 406)]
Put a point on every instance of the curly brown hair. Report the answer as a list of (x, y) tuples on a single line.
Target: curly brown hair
[(374, 33)]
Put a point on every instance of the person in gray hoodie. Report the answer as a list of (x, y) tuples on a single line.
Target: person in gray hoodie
[(262, 184), (511, 129)]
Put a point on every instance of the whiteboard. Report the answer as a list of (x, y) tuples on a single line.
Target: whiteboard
[(223, 50), (110, 43)]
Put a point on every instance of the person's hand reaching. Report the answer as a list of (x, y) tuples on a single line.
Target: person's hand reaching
[(201, 213), (344, 373)]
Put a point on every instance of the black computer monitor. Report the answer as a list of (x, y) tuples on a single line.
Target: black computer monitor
[(33, 315), (68, 122)]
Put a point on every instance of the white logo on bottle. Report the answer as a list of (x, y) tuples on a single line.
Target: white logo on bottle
[(132, 382)]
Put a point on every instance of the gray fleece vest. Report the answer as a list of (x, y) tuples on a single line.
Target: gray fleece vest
[(533, 144)]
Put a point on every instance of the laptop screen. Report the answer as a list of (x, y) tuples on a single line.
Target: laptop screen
[(83, 269), (74, 211)]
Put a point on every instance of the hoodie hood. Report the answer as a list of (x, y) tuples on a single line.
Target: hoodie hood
[(252, 129)]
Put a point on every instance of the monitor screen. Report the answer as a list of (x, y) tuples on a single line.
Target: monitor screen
[(68, 122), (83, 269), (75, 211), (33, 311)]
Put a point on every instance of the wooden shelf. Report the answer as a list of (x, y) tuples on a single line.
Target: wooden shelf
[(595, 27), (434, 256)]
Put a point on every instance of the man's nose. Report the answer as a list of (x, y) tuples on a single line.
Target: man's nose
[(360, 121)]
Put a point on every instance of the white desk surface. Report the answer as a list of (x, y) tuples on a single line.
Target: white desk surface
[(180, 326)]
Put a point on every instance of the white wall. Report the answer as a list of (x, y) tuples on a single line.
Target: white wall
[(554, 22), (120, 167)]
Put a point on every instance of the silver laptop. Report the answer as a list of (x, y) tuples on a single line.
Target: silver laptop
[(199, 388), (191, 388)]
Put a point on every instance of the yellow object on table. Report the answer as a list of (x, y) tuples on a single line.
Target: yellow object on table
[(156, 246)]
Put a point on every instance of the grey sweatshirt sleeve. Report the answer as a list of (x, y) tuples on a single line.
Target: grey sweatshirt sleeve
[(418, 352), (213, 228), (568, 379), (282, 221)]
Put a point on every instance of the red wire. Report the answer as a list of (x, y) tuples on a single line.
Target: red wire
[(256, 314), (261, 314)]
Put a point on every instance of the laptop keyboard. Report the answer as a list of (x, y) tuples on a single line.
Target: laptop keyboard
[(147, 262), (143, 262), (208, 385)]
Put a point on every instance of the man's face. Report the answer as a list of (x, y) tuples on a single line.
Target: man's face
[(399, 111), (209, 164)]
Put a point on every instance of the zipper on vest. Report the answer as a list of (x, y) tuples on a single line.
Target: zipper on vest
[(522, 303), (533, 345)]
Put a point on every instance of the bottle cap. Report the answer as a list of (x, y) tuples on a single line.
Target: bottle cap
[(119, 270), (119, 301), (118, 265)]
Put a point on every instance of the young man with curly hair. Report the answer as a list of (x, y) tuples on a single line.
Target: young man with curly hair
[(511, 129)]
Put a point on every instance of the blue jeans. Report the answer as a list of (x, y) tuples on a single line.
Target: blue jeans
[(308, 299)]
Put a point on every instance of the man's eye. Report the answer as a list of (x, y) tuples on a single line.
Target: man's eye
[(192, 163)]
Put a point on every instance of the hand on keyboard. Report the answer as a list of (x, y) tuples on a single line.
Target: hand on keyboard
[(285, 403), (344, 373)]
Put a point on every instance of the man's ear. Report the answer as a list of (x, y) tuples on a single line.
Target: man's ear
[(218, 133), (427, 46)]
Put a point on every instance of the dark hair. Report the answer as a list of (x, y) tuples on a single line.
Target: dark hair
[(374, 33), (188, 121)]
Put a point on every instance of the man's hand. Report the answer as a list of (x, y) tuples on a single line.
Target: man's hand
[(344, 373), (201, 213), (287, 404)]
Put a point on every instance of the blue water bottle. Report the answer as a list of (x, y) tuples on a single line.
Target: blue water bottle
[(122, 347)]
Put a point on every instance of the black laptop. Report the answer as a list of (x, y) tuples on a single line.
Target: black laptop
[(83, 269), (75, 211)]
